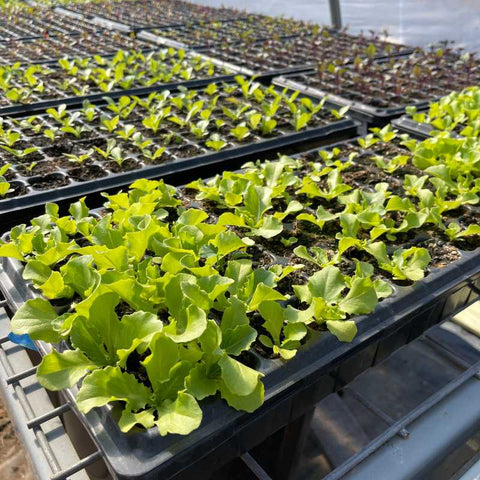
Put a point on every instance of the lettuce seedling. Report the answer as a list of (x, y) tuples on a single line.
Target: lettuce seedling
[(454, 231), (284, 338), (252, 215), (215, 142), (154, 120), (316, 255), (127, 132), (334, 182), (200, 129), (404, 264), (79, 159), (329, 304), (9, 137), (240, 132), (153, 155), (110, 124), (4, 184), (57, 114), (20, 154)]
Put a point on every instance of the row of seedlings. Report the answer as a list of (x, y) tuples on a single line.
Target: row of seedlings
[(303, 51), (153, 13), (47, 156), (51, 49), (457, 113), (124, 70), (380, 89), (20, 21), (199, 35), (269, 261)]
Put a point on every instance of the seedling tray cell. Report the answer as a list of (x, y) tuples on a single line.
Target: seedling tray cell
[(378, 91), (303, 52), (48, 174), (293, 387)]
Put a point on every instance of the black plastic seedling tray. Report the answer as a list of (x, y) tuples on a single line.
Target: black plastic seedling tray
[(379, 90), (360, 111), (26, 38), (93, 20), (291, 54), (144, 47), (292, 388), (101, 42), (134, 19), (135, 28), (416, 129), (197, 36), (158, 38), (12, 209), (265, 77), (41, 23), (65, 186), (21, 110)]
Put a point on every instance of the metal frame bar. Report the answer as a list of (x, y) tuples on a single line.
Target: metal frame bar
[(56, 412), (27, 408), (83, 463), (394, 429), (335, 14), (446, 352), (403, 433), (254, 467)]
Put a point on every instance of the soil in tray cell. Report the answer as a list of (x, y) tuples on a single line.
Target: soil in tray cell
[(86, 172), (48, 182)]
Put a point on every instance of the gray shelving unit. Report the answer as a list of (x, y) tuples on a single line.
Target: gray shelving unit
[(37, 420), (408, 417)]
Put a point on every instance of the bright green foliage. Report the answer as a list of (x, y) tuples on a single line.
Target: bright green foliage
[(4, 185), (458, 112), (157, 127), (83, 76), (165, 298), (134, 260)]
